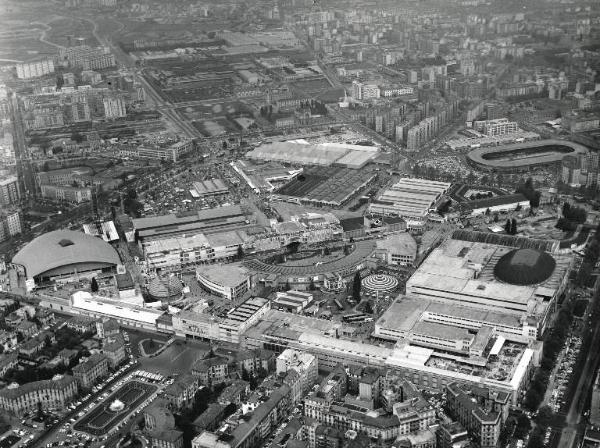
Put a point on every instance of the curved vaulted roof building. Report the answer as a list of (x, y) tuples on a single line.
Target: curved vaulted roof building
[(64, 253)]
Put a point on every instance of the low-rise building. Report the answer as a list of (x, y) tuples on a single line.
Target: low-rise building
[(87, 373), (27, 329), (452, 435), (82, 324), (8, 340), (113, 347), (107, 327), (71, 194), (53, 394), (294, 301), (7, 362), (211, 370), (181, 393), (254, 361), (397, 249)]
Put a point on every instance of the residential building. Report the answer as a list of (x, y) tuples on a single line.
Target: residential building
[(8, 340), (211, 370), (82, 324), (481, 411), (181, 393), (10, 192), (254, 431), (87, 373), (452, 435), (54, 394), (362, 91), (10, 224), (28, 70), (113, 347), (7, 362), (498, 126), (107, 327), (27, 329), (253, 361), (304, 364), (114, 107), (74, 195)]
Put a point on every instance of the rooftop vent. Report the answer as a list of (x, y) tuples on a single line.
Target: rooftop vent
[(65, 242)]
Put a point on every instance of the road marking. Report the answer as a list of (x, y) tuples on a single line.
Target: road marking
[(176, 357)]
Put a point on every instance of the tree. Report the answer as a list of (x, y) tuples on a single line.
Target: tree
[(523, 426), (487, 212), (77, 137), (253, 382), (47, 341), (496, 218), (513, 227), (356, 286), (536, 438), (94, 285), (312, 286), (245, 374), (507, 226), (545, 416), (326, 251), (287, 285), (240, 252), (131, 193)]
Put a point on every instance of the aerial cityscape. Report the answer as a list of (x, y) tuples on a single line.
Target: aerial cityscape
[(299, 223)]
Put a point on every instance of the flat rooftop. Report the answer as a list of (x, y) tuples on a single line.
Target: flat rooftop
[(227, 275), (405, 312), (451, 269), (441, 331)]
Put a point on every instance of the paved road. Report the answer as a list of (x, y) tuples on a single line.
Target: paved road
[(126, 60), (586, 381), (24, 169)]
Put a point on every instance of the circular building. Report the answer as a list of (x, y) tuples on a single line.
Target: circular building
[(63, 254), (524, 267), (165, 288), (379, 283), (230, 281)]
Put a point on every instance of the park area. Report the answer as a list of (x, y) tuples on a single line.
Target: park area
[(115, 408)]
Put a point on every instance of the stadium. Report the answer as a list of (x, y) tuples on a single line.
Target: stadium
[(104, 417), (63, 254), (523, 156), (325, 186)]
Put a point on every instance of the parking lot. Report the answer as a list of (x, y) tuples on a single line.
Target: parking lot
[(62, 433)]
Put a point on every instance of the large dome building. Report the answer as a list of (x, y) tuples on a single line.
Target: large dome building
[(63, 254), (524, 267)]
